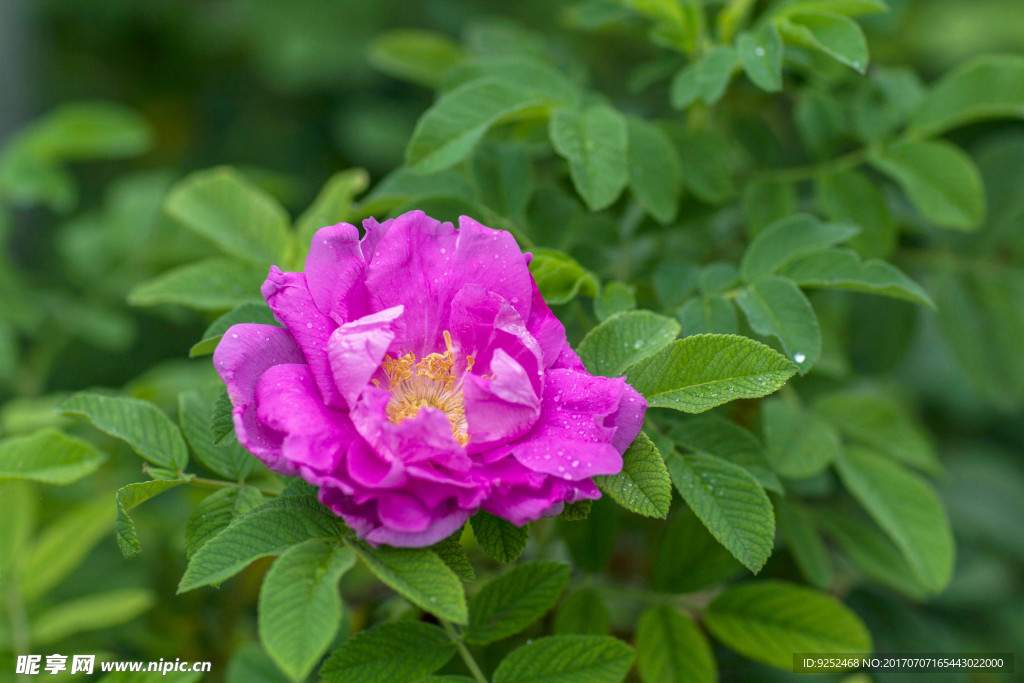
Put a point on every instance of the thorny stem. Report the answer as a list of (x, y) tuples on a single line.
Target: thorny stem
[(464, 652)]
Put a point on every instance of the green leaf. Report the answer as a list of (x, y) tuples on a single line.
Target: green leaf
[(230, 461), (614, 297), (225, 208), (504, 176), (843, 269), (559, 277), (787, 239), (872, 552), (48, 457), (90, 613), (760, 54), (987, 87), (211, 285), (776, 307), (500, 539), (452, 553), (514, 600), (623, 339), (850, 8), (730, 503), (883, 423), (128, 497), (415, 55), (768, 621), (333, 204), (448, 131), (688, 558), (222, 424), (398, 652), (685, 87), (907, 509), (267, 530), (88, 130), (578, 511), (300, 607), (643, 486), (837, 36), (591, 541), (216, 512), (706, 314), (671, 649), (419, 575), (700, 372), (567, 659), (715, 71), (528, 73), (729, 441), (850, 197), (141, 424), (798, 445), (62, 546), (940, 180), (797, 528), (655, 171), (595, 142), (706, 165), (258, 313), (583, 612)]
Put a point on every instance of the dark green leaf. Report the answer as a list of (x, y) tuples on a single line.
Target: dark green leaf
[(216, 512), (655, 171), (415, 55), (452, 553), (787, 239), (760, 54), (514, 600), (567, 659), (776, 307), (843, 269), (500, 539), (128, 497), (797, 527), (595, 142), (643, 486), (728, 441), (583, 612), (671, 649), (987, 87), (688, 558), (797, 444), (835, 35), (231, 461), (850, 197), (623, 339), (397, 652)]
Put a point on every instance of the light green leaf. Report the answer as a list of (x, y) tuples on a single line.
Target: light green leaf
[(397, 652), (528, 73), (768, 621), (614, 297), (48, 457), (708, 313), (267, 530), (415, 55), (300, 607), (19, 507), (560, 278), (222, 424), (729, 441), (939, 179), (62, 546), (671, 649), (839, 37), (700, 372), (88, 130), (987, 87), (797, 528), (583, 612), (258, 313), (567, 659), (90, 613), (595, 142), (907, 508), (655, 171), (419, 575), (787, 239), (760, 54), (843, 269), (643, 486), (230, 461), (688, 558), (141, 424), (883, 423), (514, 600), (216, 512), (850, 8), (500, 539), (730, 503), (850, 197), (225, 208), (797, 444), (715, 71), (333, 204), (504, 176), (685, 86), (128, 497), (452, 553), (211, 285), (448, 131), (776, 307), (623, 339)]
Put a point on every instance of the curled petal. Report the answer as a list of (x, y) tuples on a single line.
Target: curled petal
[(356, 349)]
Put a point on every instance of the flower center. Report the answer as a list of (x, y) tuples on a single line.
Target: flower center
[(429, 381)]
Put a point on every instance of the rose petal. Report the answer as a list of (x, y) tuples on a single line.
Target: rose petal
[(356, 349)]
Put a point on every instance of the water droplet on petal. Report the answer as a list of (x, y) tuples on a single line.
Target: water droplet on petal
[(575, 463), (309, 325)]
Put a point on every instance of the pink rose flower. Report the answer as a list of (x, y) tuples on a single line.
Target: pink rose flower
[(420, 377)]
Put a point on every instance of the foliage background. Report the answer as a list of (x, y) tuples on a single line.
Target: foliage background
[(289, 94)]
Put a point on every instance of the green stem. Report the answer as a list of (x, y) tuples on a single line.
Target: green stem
[(797, 173), (464, 652), (219, 484)]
